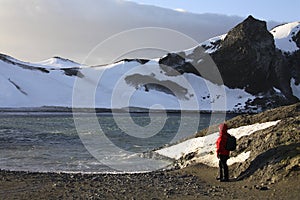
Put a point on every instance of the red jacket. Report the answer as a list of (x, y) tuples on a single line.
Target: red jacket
[(221, 141)]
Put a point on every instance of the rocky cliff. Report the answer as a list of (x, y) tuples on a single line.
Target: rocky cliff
[(247, 58)]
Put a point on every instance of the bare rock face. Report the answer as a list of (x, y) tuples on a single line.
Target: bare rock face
[(296, 38), (245, 56)]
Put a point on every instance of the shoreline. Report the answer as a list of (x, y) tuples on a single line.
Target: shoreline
[(151, 185), (58, 109), (192, 182)]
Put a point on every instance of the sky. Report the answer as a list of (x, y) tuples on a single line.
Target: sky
[(101, 31), (276, 10)]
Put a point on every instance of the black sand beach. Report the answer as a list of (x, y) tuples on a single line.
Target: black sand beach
[(193, 182)]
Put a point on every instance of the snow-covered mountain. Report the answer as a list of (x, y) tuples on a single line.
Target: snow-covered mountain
[(248, 72), (142, 83), (250, 57)]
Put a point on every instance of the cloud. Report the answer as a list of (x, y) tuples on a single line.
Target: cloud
[(36, 30)]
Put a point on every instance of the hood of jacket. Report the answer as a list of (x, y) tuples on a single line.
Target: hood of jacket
[(222, 129)]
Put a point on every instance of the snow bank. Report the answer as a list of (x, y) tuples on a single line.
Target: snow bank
[(205, 146), (211, 44), (283, 36), (57, 62), (295, 88)]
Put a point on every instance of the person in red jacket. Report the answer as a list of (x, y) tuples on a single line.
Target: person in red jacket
[(222, 153)]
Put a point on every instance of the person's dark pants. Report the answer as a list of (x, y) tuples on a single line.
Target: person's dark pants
[(224, 176)]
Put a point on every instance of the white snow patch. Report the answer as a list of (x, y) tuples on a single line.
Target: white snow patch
[(190, 51), (189, 60), (277, 90), (211, 43), (180, 10), (57, 62), (212, 161), (205, 146), (295, 88), (283, 36)]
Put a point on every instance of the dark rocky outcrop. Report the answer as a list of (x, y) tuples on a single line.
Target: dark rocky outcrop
[(247, 59), (296, 39), (245, 56), (174, 64), (10, 60), (147, 83), (73, 72)]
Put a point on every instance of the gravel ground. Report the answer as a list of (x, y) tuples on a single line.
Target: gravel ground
[(194, 182)]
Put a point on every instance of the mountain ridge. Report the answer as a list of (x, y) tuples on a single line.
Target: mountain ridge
[(248, 58), (255, 75)]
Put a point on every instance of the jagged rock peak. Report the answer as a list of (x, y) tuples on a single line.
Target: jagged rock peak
[(246, 55), (253, 29)]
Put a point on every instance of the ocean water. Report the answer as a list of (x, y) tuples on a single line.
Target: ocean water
[(61, 142)]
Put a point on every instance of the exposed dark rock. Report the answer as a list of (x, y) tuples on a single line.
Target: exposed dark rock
[(18, 87), (247, 59), (294, 64), (10, 60), (151, 83), (141, 61), (213, 45), (245, 56), (73, 72), (65, 60), (174, 64), (296, 38)]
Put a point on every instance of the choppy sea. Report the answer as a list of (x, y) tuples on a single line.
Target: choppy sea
[(99, 143)]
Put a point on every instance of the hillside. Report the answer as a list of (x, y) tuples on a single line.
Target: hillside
[(127, 83), (268, 146)]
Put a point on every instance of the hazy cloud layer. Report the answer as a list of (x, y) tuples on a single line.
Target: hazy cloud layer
[(36, 30)]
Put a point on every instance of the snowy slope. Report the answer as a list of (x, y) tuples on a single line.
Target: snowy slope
[(25, 85), (119, 85), (57, 62), (283, 36), (205, 146)]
